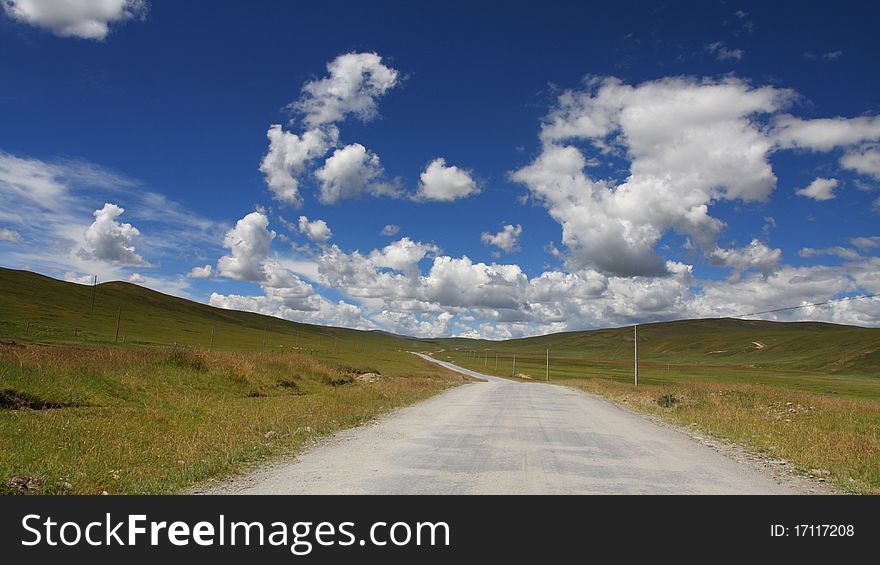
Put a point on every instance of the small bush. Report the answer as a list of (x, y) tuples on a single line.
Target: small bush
[(186, 358), (668, 400), (338, 381)]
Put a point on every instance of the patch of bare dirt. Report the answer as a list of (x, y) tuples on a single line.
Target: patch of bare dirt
[(368, 378), (25, 485), (11, 400)]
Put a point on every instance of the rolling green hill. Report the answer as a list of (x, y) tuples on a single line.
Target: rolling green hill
[(800, 346), (37, 307)]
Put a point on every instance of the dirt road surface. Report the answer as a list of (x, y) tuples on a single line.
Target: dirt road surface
[(506, 437)]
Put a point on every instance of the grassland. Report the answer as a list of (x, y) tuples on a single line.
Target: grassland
[(82, 415), (163, 405), (807, 393)]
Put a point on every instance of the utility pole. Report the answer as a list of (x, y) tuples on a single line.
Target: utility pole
[(514, 365), (94, 291), (211, 347), (496, 360), (636, 353), (118, 315), (548, 364)]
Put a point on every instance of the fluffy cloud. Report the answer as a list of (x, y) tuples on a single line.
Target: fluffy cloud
[(87, 19), (403, 255), (865, 160), (249, 243), (507, 239), (756, 255), (352, 172), (408, 287), (205, 272), (689, 144), (288, 156), (354, 83), (11, 236), (321, 311), (285, 294), (820, 189), (443, 183), (390, 230), (317, 231), (824, 134), (112, 241)]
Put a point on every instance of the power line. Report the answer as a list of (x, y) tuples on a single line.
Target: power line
[(846, 299)]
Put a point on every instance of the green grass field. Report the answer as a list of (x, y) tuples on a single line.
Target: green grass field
[(82, 414), (159, 406), (814, 357)]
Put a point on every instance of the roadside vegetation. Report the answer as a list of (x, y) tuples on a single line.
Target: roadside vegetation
[(826, 425), (94, 419)]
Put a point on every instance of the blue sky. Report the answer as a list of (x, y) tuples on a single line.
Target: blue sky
[(549, 166)]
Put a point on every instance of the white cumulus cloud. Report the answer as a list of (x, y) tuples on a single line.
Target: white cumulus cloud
[(507, 239), (288, 156), (249, 243), (86, 19), (205, 272), (820, 189), (355, 82), (755, 255), (112, 241), (443, 183), (352, 172), (824, 134), (317, 230), (690, 143), (864, 160)]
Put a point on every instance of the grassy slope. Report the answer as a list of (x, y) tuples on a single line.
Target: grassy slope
[(148, 417), (56, 309), (814, 357)]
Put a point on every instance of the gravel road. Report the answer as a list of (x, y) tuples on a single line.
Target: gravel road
[(505, 437)]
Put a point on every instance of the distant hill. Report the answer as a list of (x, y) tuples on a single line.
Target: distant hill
[(44, 308), (806, 346), (40, 307)]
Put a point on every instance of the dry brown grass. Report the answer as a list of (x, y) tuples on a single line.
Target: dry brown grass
[(157, 420), (825, 436)]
